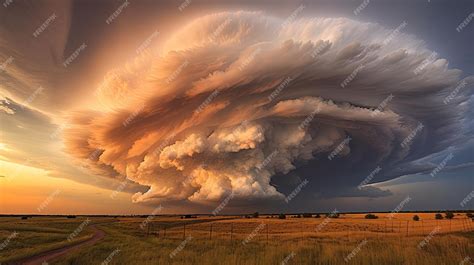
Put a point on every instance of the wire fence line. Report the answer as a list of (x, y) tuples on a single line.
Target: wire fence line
[(274, 230)]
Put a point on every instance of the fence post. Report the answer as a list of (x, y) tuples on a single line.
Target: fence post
[(408, 222), (267, 234), (210, 232)]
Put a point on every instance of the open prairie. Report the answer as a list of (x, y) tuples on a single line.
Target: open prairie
[(348, 239)]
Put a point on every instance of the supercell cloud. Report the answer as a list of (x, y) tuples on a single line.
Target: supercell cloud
[(239, 101)]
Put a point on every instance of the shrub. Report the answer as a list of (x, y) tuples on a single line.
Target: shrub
[(317, 215), (469, 215), (24, 217), (416, 218), (307, 215), (255, 215), (449, 215), (438, 216), (71, 216), (371, 216), (281, 216)]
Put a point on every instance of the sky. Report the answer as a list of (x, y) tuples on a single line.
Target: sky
[(220, 107)]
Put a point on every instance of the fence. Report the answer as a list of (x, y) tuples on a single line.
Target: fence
[(269, 229)]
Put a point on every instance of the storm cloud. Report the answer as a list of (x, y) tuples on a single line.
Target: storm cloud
[(245, 103)]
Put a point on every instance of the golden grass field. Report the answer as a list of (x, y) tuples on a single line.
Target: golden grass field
[(349, 239)]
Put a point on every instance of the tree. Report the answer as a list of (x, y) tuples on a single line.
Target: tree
[(255, 215), (416, 218), (317, 215), (371, 216), (449, 215), (281, 216), (438, 216), (307, 215)]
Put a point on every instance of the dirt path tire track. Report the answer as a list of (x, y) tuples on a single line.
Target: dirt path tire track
[(55, 253)]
